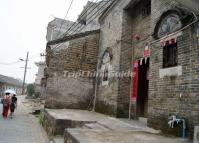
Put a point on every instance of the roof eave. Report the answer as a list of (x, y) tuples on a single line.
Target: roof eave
[(71, 37)]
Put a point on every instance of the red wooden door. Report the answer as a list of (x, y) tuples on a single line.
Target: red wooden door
[(135, 80)]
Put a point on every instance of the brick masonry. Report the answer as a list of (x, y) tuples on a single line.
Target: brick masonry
[(116, 33), (77, 54), (134, 23), (164, 93), (110, 38), (174, 95)]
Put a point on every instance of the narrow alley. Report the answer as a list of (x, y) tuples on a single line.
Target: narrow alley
[(23, 128), (99, 71)]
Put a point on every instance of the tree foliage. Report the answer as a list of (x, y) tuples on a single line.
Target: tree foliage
[(30, 89)]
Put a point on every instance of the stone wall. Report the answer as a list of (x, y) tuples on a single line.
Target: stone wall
[(57, 27), (134, 23), (125, 66), (117, 30), (110, 38), (65, 88), (174, 95)]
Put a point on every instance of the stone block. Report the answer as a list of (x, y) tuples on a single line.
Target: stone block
[(170, 72), (196, 135), (99, 136)]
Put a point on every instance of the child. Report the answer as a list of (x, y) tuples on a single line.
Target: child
[(13, 105)]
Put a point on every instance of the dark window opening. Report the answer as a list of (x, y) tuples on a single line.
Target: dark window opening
[(105, 77), (109, 25), (170, 55), (77, 55), (146, 10)]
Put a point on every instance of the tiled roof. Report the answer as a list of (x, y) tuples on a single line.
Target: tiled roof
[(10, 81)]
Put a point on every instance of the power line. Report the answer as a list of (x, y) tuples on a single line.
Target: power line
[(7, 64), (65, 17), (81, 16), (95, 16), (75, 24), (97, 5), (16, 62), (72, 27), (91, 17), (148, 36), (87, 8)]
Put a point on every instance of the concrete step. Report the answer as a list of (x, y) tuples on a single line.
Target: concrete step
[(56, 121), (99, 136), (57, 139), (143, 120), (196, 134), (118, 125)]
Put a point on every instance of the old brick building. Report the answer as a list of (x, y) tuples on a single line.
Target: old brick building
[(75, 50), (65, 88), (57, 27), (174, 64), (147, 52), (158, 41), (118, 25)]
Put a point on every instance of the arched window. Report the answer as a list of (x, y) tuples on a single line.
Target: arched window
[(171, 21), (106, 67)]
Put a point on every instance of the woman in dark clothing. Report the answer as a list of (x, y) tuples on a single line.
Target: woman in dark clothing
[(13, 105)]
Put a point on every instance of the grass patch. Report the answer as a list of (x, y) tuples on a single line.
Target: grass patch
[(40, 117)]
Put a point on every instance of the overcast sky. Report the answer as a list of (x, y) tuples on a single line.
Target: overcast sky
[(23, 28)]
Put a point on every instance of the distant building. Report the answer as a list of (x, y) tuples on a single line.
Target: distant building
[(57, 27), (10, 83)]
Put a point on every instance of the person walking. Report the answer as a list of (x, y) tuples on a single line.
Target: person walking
[(6, 105), (13, 105)]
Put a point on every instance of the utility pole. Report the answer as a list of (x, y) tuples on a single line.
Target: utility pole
[(24, 78)]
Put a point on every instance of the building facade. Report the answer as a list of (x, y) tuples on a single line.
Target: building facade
[(173, 82), (158, 42), (89, 17), (146, 56), (66, 86), (74, 51), (119, 26), (56, 28)]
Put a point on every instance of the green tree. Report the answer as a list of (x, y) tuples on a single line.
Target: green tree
[(30, 89)]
